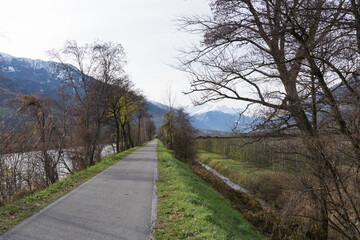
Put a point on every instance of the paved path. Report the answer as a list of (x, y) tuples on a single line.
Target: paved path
[(115, 204)]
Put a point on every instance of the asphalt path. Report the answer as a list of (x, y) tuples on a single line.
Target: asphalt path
[(115, 204)]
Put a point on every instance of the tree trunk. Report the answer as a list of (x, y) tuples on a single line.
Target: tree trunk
[(125, 139), (139, 126), (129, 134), (117, 137), (94, 142)]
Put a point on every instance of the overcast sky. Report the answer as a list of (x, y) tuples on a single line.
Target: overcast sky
[(146, 29)]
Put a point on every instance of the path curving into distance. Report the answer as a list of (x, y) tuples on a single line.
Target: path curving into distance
[(115, 204)]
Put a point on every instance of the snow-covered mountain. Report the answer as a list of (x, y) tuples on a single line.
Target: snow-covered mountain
[(195, 110), (217, 118), (36, 64), (23, 75), (39, 71)]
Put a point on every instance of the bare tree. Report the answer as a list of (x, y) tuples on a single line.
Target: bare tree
[(140, 115), (116, 111), (149, 128), (292, 57), (97, 66), (178, 134), (44, 127), (183, 138)]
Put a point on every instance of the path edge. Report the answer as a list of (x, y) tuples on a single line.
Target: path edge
[(154, 198)]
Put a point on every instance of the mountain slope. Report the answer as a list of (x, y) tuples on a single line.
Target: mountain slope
[(219, 121), (210, 117), (8, 87), (156, 112), (24, 76)]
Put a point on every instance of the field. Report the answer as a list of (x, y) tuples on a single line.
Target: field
[(279, 154), (254, 179), (267, 167), (282, 171)]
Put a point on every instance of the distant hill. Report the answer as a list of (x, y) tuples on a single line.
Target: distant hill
[(218, 118), (8, 87), (220, 121), (212, 119)]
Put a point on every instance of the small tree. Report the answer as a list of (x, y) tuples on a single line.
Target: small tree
[(123, 104), (168, 128), (179, 134), (149, 128), (43, 126), (183, 137)]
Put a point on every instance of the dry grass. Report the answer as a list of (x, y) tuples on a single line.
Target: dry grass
[(279, 189), (263, 219), (269, 185)]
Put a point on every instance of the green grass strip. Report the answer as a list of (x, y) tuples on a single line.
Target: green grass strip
[(17, 211), (190, 209)]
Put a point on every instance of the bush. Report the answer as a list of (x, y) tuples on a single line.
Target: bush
[(178, 135)]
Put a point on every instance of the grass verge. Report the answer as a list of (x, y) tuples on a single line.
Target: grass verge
[(13, 213), (190, 209)]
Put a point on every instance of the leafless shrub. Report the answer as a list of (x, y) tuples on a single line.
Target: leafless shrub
[(178, 134)]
